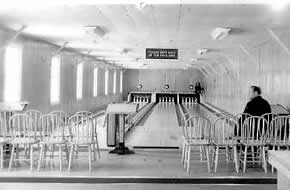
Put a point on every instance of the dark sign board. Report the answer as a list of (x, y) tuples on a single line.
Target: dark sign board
[(155, 53)]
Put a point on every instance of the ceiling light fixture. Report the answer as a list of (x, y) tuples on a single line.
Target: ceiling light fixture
[(220, 33), (279, 5)]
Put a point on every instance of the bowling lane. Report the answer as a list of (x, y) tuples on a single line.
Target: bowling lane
[(197, 109), (159, 130)]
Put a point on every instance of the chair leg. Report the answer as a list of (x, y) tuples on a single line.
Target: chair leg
[(11, 158), (60, 157), (207, 158), (264, 159), (31, 157), (188, 158), (245, 159), (1, 155), (272, 167), (183, 152), (216, 158), (201, 153), (90, 157), (236, 159), (185, 156), (227, 155), (98, 148), (66, 152), (70, 157), (40, 157)]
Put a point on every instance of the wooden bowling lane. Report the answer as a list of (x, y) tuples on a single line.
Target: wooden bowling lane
[(196, 109), (159, 130)]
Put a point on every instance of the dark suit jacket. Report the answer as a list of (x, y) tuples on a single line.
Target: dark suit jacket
[(257, 106)]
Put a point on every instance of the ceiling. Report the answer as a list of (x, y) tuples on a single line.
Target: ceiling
[(129, 29)]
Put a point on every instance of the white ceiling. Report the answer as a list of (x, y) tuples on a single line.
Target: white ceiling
[(183, 26)]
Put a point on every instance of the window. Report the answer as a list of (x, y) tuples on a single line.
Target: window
[(80, 67), (55, 80), (12, 73), (106, 82), (121, 81), (96, 82), (115, 82)]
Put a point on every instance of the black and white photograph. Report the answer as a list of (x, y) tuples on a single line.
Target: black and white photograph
[(145, 94)]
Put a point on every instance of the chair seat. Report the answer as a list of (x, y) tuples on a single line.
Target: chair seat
[(23, 141), (55, 140), (82, 142), (279, 143), (253, 142), (226, 143), (197, 142)]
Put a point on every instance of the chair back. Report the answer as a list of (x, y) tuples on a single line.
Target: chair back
[(51, 127), (34, 115), (82, 128), (20, 126), (241, 117), (224, 131), (61, 115), (254, 129), (214, 116), (279, 132), (185, 117), (4, 118), (269, 117), (85, 113), (197, 129)]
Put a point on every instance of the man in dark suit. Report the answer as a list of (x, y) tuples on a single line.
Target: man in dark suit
[(257, 105)]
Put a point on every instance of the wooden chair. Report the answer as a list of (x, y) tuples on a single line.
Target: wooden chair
[(82, 131), (279, 134), (197, 134), (34, 115), (92, 116), (223, 137), (52, 134), (183, 123), (21, 131), (269, 117), (3, 141), (254, 136)]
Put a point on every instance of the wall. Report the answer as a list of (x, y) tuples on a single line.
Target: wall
[(154, 80), (266, 65), (36, 79)]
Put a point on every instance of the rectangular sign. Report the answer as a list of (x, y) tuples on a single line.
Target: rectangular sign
[(156, 53)]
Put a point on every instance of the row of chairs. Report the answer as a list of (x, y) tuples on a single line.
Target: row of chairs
[(32, 130), (245, 138)]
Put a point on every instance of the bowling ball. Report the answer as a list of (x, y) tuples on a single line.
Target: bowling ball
[(140, 86), (166, 86)]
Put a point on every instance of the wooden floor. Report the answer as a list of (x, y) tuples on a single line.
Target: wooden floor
[(11, 186), (159, 130)]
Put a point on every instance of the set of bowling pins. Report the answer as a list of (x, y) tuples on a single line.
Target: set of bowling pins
[(140, 99), (166, 100), (188, 100)]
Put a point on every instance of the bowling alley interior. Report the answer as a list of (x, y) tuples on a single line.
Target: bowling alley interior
[(143, 94)]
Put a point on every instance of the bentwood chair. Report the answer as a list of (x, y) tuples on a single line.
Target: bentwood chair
[(254, 137), (223, 137), (3, 141), (269, 117), (183, 123), (34, 115), (21, 131), (52, 135), (197, 133), (91, 115), (279, 134), (82, 130), (63, 116), (240, 118)]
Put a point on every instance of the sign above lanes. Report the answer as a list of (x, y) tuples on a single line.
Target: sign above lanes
[(157, 53)]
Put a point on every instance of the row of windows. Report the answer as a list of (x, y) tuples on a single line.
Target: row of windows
[(13, 70)]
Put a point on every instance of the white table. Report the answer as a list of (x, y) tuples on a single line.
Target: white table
[(281, 161)]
